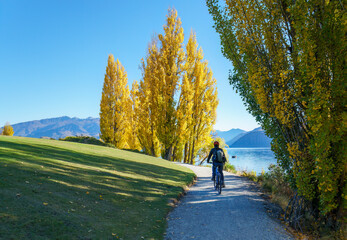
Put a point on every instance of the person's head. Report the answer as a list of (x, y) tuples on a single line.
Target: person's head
[(216, 144)]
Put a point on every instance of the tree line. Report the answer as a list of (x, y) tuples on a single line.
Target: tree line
[(171, 111), (289, 67)]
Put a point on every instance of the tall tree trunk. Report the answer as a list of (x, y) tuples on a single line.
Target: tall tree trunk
[(174, 154), (192, 154), (168, 153), (185, 159)]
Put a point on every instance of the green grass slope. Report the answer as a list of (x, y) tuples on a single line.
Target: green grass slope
[(63, 190)]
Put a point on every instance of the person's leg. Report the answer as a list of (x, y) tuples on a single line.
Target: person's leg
[(220, 169), (213, 171)]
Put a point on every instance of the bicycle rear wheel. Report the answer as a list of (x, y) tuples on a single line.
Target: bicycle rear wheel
[(219, 185)]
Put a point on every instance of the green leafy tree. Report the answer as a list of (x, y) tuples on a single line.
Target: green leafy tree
[(289, 68)]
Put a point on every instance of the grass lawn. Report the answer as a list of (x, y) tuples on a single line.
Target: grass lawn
[(62, 190)]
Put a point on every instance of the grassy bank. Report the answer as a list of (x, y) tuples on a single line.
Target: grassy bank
[(64, 190)]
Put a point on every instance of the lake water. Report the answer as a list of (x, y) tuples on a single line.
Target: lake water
[(251, 158)]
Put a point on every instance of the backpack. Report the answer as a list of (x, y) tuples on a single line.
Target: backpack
[(219, 156)]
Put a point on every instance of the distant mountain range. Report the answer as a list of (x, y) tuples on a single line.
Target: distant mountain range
[(60, 127), (231, 134), (254, 138)]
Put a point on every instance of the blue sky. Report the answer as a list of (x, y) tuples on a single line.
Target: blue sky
[(53, 54)]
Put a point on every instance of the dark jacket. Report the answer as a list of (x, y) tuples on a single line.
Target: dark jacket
[(213, 153)]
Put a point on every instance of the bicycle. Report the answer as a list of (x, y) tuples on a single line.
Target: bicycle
[(217, 181)]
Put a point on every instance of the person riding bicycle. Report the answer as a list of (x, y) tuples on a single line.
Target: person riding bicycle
[(218, 159)]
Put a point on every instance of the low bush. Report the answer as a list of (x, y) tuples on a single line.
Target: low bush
[(251, 175), (229, 168), (86, 140), (276, 185), (273, 182)]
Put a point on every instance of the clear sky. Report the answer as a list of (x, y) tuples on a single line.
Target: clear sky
[(53, 54)]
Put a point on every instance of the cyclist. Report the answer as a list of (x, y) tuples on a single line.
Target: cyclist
[(216, 163)]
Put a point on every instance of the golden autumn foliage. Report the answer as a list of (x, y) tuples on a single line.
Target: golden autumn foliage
[(197, 104), (172, 110), (133, 117), (114, 106), (177, 95), (7, 130), (148, 110), (289, 61), (169, 74)]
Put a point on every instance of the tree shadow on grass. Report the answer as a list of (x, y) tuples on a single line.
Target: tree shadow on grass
[(31, 174), (38, 155)]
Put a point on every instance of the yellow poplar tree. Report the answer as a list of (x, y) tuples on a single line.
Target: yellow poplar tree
[(7, 130), (147, 111), (132, 110), (184, 119), (113, 107), (177, 119), (198, 102), (171, 67)]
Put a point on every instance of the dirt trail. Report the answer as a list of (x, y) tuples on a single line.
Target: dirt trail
[(238, 213)]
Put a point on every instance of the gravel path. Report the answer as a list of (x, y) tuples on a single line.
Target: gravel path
[(238, 213)]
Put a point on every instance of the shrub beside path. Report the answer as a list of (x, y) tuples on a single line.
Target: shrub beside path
[(238, 213)]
